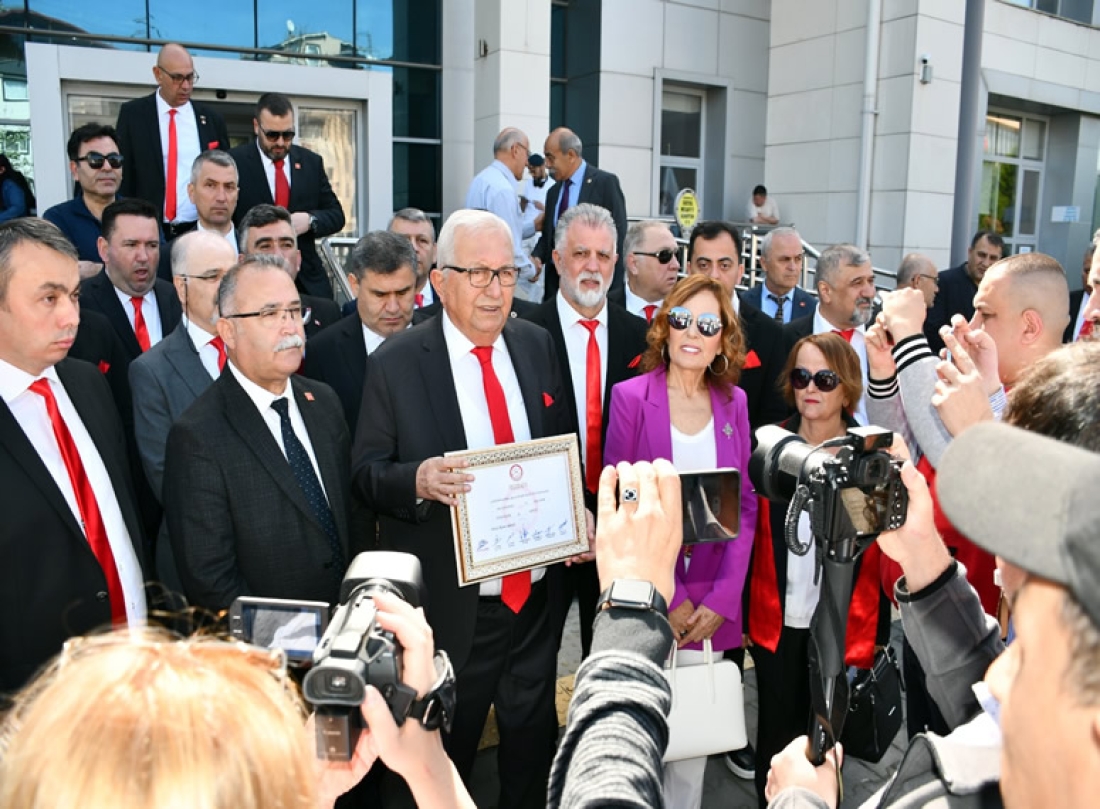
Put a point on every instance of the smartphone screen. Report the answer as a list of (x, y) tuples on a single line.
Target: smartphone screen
[(712, 505)]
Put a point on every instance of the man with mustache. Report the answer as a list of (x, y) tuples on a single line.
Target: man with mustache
[(70, 541), (846, 295), (257, 471)]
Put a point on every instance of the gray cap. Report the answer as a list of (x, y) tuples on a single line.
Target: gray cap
[(1029, 499)]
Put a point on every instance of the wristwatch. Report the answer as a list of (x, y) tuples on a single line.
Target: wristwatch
[(436, 709), (632, 594), (312, 223)]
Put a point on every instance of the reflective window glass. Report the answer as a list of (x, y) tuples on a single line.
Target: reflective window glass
[(681, 124), (1002, 135), (403, 31), (331, 133), (416, 102), (314, 29), (996, 204), (1035, 135), (235, 24), (124, 18), (416, 171), (674, 180)]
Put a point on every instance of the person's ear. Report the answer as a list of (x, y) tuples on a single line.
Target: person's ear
[(825, 292), (1032, 325), (227, 331)]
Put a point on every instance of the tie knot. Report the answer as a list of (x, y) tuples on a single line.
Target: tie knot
[(845, 333), (278, 164), (137, 300), (172, 113), (590, 325), (484, 354), (217, 342), (777, 298), (42, 388), (281, 406)]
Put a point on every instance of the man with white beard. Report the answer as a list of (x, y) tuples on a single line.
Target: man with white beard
[(257, 477), (598, 345)]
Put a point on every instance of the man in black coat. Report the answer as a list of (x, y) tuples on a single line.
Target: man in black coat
[(146, 128), (275, 170), (58, 578), (577, 181), (959, 285)]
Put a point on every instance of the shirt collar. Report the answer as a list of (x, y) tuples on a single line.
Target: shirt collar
[(261, 397), (15, 381), (570, 317), (458, 344), (735, 301), (199, 336), (163, 106), (821, 325), (637, 302), (507, 172)]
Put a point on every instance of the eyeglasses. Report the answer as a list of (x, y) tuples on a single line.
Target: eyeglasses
[(680, 318), (482, 276), (826, 381), (935, 279), (211, 275), (286, 134), (662, 256), (95, 160), (270, 318), (180, 78)]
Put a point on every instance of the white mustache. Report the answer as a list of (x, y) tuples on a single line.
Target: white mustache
[(289, 342)]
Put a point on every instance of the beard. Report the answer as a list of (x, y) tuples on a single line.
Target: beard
[(586, 298), (862, 314)]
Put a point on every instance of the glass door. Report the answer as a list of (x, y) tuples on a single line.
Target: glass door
[(1012, 179)]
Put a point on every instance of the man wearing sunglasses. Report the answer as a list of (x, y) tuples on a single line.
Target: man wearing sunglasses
[(274, 170), (161, 134), (652, 264)]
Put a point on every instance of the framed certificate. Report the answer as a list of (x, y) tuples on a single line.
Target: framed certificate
[(525, 508)]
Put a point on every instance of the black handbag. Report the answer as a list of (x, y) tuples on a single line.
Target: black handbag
[(874, 709)]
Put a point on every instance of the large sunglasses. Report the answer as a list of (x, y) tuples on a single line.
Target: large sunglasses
[(276, 135), (680, 318), (826, 381), (95, 160), (662, 256)]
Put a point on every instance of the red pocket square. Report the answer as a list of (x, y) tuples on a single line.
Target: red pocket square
[(104, 366), (751, 361), (547, 399), (634, 363), (214, 144)]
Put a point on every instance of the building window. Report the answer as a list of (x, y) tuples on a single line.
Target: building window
[(1012, 179), (1076, 10), (682, 125)]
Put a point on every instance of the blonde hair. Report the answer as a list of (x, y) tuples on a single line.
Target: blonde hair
[(138, 720)]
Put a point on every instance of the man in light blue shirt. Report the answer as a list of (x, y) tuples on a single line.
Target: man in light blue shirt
[(494, 190)]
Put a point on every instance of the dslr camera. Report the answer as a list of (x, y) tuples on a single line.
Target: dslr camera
[(852, 496)]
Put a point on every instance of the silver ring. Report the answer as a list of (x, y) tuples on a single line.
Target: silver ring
[(630, 495)]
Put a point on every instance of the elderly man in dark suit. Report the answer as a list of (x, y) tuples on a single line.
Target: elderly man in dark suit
[(779, 296), (275, 170), (256, 475), (596, 341), (470, 377), (576, 181), (161, 134), (70, 555), (168, 377)]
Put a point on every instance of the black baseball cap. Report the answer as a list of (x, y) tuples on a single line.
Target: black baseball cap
[(1029, 499), (535, 159)]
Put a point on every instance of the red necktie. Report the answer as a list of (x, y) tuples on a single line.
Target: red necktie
[(649, 310), (516, 587), (846, 333), (593, 410), (90, 518), (419, 300), (140, 329), (1086, 330), (563, 203), (282, 187), (219, 346), (170, 179)]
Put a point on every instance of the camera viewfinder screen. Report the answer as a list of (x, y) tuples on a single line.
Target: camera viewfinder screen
[(295, 630), (712, 505)]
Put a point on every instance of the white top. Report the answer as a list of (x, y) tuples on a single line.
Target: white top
[(372, 339), (149, 312), (187, 149), (262, 398), (533, 193), (576, 349), (1079, 322), (691, 453), (29, 410), (230, 235), (494, 190), (466, 373), (769, 209), (636, 305), (859, 343), (269, 169), (802, 592), (200, 339)]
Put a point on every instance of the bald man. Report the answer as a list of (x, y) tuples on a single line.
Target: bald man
[(148, 127), (919, 272)]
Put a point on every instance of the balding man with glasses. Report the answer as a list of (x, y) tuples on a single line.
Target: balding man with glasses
[(469, 378), (161, 134)]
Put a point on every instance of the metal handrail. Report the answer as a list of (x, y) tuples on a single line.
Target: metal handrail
[(334, 254)]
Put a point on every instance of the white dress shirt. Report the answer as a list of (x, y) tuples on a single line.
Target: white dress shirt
[(230, 235), (149, 312), (373, 339), (636, 305), (200, 339), (187, 149), (29, 410), (576, 349), (859, 343), (269, 169), (470, 390), (263, 398)]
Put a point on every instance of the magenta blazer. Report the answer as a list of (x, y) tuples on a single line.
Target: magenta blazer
[(639, 429)]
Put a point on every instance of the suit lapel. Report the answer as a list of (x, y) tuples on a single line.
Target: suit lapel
[(526, 365), (619, 355), (353, 349), (104, 292), (658, 423), (327, 461), (294, 158), (558, 336), (184, 359), (439, 386)]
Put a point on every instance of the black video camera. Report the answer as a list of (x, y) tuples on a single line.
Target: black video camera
[(356, 652), (852, 496)]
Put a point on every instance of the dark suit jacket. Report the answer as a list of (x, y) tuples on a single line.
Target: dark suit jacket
[(98, 343), (520, 308), (1076, 298), (600, 188), (51, 586), (955, 295), (803, 302), (310, 192), (410, 413), (98, 293), (139, 143), (238, 520), (625, 344), (322, 312), (766, 348)]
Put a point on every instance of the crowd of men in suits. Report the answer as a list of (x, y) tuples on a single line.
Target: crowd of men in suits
[(184, 403)]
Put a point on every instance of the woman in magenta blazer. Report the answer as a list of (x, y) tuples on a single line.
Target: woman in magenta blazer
[(687, 409)]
